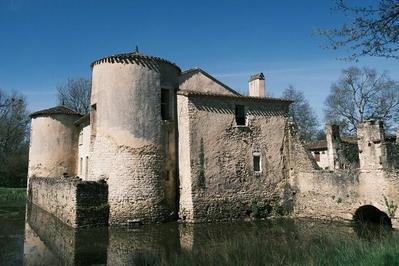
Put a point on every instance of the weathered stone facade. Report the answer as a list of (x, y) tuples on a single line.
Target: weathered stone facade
[(217, 176)]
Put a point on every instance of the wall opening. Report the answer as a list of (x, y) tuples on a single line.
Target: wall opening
[(240, 115), (368, 214), (257, 162), (87, 167), (317, 156), (165, 114)]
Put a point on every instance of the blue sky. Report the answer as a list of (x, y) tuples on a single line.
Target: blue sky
[(43, 42)]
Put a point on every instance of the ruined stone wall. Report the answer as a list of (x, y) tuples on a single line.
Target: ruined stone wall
[(75, 202), (53, 146), (132, 147), (221, 180), (337, 195)]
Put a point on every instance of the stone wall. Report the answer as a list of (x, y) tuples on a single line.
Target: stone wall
[(75, 202), (217, 171), (337, 194)]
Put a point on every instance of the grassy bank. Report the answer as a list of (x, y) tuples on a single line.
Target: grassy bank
[(256, 250), (12, 194)]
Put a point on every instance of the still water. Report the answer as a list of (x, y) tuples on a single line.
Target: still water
[(34, 237)]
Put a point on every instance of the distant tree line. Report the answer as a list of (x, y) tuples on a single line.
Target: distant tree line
[(14, 143)]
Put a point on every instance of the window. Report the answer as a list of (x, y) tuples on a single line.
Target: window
[(165, 104), (87, 167), (81, 138), (81, 166), (317, 156), (93, 119), (256, 161), (240, 115)]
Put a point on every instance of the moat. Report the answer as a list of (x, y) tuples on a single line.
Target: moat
[(37, 238)]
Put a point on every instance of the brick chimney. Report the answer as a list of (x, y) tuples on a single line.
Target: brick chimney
[(257, 85)]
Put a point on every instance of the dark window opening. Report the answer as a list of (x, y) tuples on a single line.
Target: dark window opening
[(93, 118), (256, 163), (240, 115), (165, 104), (317, 156)]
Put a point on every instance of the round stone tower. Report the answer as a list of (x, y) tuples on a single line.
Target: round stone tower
[(133, 125), (53, 142)]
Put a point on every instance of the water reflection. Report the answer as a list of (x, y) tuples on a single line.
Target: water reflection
[(50, 242)]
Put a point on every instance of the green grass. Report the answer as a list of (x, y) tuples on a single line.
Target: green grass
[(259, 250), (12, 194)]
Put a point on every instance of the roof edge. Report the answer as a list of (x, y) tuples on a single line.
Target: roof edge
[(197, 69)]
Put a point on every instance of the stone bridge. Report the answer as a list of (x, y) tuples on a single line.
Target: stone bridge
[(339, 193)]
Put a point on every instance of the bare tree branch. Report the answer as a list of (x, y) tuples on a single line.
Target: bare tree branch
[(362, 94)]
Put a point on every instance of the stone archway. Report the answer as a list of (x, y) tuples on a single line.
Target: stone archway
[(369, 214)]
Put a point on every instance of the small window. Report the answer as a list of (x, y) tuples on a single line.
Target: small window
[(87, 167), (256, 161), (165, 104), (240, 115), (93, 118), (317, 156), (81, 166), (81, 138)]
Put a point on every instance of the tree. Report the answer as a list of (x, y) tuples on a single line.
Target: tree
[(362, 94), (75, 94), (373, 31), (302, 114), (14, 124)]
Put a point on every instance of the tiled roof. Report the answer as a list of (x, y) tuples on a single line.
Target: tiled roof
[(265, 99), (134, 57), (55, 110), (199, 70), (317, 145), (322, 144), (257, 76)]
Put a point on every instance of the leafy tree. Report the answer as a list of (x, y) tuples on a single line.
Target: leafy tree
[(362, 94), (302, 114), (373, 30), (75, 94), (14, 124)]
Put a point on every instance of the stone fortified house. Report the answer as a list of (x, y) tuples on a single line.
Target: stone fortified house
[(160, 144)]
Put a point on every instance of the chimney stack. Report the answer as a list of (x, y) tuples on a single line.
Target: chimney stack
[(257, 85)]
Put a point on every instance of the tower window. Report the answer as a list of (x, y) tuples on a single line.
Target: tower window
[(165, 104), (240, 115), (257, 162)]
